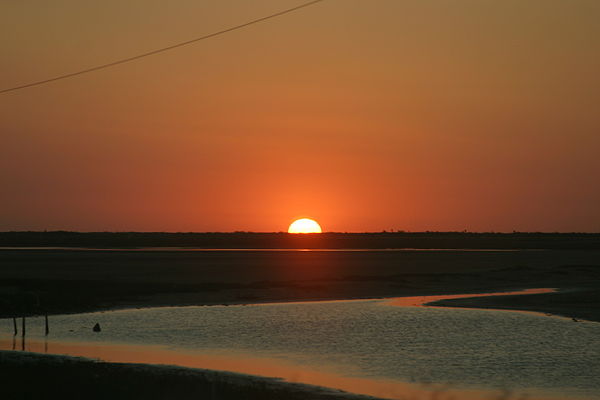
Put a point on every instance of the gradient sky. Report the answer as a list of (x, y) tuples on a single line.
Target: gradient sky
[(365, 115)]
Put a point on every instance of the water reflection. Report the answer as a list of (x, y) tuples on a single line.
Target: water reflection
[(420, 301), (360, 346), (247, 364)]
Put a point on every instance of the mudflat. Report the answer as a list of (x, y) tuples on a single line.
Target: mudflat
[(38, 281), (76, 378)]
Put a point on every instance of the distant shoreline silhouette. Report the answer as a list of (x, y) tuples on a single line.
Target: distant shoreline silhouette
[(282, 240)]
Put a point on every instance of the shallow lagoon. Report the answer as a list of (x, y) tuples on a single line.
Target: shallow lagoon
[(368, 341)]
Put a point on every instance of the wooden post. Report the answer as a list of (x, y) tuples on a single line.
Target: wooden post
[(23, 334), (47, 326), (15, 326)]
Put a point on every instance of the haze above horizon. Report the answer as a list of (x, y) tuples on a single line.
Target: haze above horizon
[(414, 115)]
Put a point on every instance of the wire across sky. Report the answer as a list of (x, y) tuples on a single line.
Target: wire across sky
[(161, 50)]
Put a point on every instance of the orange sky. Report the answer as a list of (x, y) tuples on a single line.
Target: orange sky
[(365, 115)]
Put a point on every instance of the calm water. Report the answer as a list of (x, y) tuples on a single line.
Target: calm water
[(363, 339)]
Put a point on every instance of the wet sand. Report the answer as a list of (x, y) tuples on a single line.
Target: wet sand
[(36, 376), (35, 282), (239, 371), (578, 304), (428, 301)]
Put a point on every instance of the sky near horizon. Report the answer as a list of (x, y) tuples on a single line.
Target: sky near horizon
[(364, 115)]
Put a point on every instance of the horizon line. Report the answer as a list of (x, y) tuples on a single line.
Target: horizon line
[(326, 232)]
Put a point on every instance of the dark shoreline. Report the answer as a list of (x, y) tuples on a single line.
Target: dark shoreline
[(77, 378), (576, 303), (327, 240), (552, 304), (54, 281)]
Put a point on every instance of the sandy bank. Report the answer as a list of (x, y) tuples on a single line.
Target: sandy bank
[(31, 376), (576, 303)]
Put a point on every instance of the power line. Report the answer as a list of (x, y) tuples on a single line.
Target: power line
[(153, 52)]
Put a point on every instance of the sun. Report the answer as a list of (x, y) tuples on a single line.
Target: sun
[(304, 225)]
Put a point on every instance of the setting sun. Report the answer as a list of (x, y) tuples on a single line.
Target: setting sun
[(304, 225)]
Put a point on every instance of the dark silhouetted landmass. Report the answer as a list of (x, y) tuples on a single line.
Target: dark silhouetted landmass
[(583, 303), (250, 240), (34, 376), (61, 280)]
